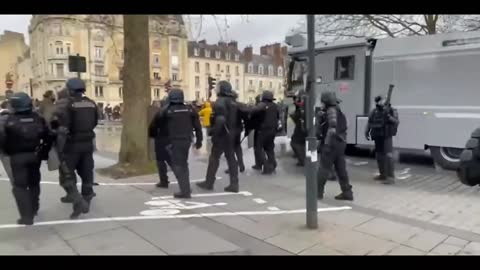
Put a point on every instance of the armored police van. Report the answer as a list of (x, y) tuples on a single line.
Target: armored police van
[(436, 92)]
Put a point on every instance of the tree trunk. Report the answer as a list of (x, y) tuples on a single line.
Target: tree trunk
[(134, 147)]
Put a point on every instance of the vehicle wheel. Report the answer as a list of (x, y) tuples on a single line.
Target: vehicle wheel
[(446, 157)]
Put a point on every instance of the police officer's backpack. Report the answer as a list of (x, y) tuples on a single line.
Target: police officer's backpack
[(469, 169)]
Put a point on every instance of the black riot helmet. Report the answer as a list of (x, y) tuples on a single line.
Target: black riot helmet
[(379, 101), (234, 94), (329, 98), (21, 102), (224, 89), (76, 85), (267, 96), (175, 96)]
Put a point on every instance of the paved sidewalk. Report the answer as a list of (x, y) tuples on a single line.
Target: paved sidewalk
[(131, 216)]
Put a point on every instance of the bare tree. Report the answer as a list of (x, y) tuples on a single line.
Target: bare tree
[(335, 27)]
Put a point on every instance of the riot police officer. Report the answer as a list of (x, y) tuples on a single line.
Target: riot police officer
[(224, 118), (469, 168), (299, 133), (242, 118), (161, 140), (381, 127), (180, 120), (332, 133), (21, 135), (74, 122), (267, 130), (254, 123)]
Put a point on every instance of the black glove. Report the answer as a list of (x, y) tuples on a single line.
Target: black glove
[(367, 136), (42, 151), (198, 145)]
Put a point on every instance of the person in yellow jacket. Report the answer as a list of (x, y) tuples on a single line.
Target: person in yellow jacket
[(205, 114)]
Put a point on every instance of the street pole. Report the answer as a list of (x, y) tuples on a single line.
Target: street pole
[(78, 66), (311, 146)]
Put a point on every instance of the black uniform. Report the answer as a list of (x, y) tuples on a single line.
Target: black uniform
[(242, 119), (258, 151), (224, 118), (332, 133), (469, 168), (299, 133), (180, 120), (22, 133), (381, 127), (74, 124), (267, 130), (159, 132)]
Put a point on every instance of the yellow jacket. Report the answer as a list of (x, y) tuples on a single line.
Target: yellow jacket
[(205, 114)]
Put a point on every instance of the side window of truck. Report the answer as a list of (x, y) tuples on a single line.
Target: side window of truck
[(344, 67)]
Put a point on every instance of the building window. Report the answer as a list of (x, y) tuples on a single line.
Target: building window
[(197, 82), (60, 70), (174, 45), (174, 76), (270, 85), (98, 52), (197, 95), (59, 47), (280, 71), (260, 84), (196, 51), (280, 86), (237, 84), (68, 48), (174, 61), (218, 67), (156, 92), (237, 57), (237, 71), (250, 82), (228, 56), (207, 67), (207, 53), (98, 70), (250, 68), (260, 69), (270, 70), (120, 92), (120, 74), (217, 54), (228, 69), (344, 67), (51, 69), (156, 59), (99, 91), (156, 75), (197, 67)]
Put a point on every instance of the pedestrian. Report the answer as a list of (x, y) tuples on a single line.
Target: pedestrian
[(47, 106), (297, 141), (21, 134), (180, 120), (258, 151), (332, 133), (224, 118), (205, 113), (381, 127), (108, 112), (74, 125), (267, 130)]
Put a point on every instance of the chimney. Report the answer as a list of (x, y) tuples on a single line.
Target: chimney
[(233, 44), (222, 44), (263, 50), (248, 53), (203, 42), (277, 54)]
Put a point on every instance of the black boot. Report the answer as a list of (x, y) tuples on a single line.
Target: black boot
[(300, 164), (66, 199), (227, 171), (81, 206), (162, 184), (25, 221), (380, 178), (344, 196), (241, 167), (231, 188), (205, 185), (180, 195), (257, 167)]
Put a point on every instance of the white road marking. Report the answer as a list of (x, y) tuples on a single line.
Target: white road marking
[(404, 171), (199, 215), (259, 200), (403, 177), (114, 184), (273, 208), (244, 193), (360, 163)]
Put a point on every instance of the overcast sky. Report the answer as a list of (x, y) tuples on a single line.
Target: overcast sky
[(256, 30)]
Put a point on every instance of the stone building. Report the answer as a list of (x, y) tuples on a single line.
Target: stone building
[(222, 61), (12, 46), (99, 38), (265, 71)]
